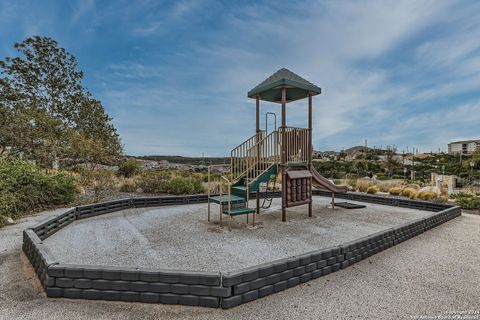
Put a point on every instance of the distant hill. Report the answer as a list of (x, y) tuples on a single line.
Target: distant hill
[(186, 160)]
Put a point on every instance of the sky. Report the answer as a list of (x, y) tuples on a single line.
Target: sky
[(174, 75)]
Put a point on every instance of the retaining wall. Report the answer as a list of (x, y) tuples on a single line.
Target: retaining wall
[(208, 289)]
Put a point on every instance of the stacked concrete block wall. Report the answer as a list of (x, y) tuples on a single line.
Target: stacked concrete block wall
[(209, 289), (259, 281), (49, 227), (124, 284), (262, 280)]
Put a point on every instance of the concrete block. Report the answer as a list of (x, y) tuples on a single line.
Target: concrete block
[(326, 270), (130, 296), (198, 290), (306, 277), (159, 287), (326, 254), (231, 302), (321, 264), (280, 266), (279, 286), (310, 267), (305, 259), (56, 270), (265, 270), (73, 272), (54, 292), (169, 277), (250, 296), (64, 282), (72, 293), (293, 263), (101, 284), (265, 291), (92, 294), (209, 302), (287, 274), (316, 256), (111, 274), (336, 267), (129, 275), (148, 276), (141, 286), (345, 264), (340, 258), (49, 281), (241, 288), (206, 279), (316, 273), (231, 279), (250, 275), (121, 285), (258, 283), (221, 291), (274, 278), (149, 297), (82, 283), (168, 298), (188, 300), (293, 282), (179, 288), (299, 271), (92, 272), (331, 260)]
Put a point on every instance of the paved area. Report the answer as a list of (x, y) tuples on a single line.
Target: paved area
[(434, 274), (179, 237)]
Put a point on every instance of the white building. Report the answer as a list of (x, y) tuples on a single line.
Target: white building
[(464, 147)]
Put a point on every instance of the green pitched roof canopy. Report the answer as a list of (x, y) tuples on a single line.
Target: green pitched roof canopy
[(271, 88)]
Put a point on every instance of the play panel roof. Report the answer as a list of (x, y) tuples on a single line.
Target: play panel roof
[(271, 88)]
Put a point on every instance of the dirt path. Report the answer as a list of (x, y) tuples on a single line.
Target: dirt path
[(436, 273)]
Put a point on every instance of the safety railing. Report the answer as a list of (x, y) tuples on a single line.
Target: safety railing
[(262, 155), (238, 156), (296, 144)]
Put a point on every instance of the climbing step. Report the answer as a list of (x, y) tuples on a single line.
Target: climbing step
[(223, 199), (239, 211)]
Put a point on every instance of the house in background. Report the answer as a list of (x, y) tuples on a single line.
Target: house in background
[(464, 147)]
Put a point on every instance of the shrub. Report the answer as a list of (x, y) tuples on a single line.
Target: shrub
[(165, 181), (395, 191), (426, 195), (372, 190), (154, 181), (409, 192), (363, 184), (129, 168), (182, 185), (24, 188), (467, 200), (98, 181), (127, 185)]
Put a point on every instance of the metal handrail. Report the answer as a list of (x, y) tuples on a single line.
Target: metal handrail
[(238, 155), (263, 155)]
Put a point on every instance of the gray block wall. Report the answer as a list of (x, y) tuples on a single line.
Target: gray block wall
[(225, 290)]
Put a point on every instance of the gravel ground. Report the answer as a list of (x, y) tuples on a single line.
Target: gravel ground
[(434, 274), (179, 237)]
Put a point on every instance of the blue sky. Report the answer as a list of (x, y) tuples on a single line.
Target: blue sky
[(174, 74)]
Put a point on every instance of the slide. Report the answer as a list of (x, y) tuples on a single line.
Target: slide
[(323, 183)]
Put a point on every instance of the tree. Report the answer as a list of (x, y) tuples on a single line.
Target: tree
[(46, 114)]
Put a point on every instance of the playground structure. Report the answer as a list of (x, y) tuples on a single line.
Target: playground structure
[(285, 150)]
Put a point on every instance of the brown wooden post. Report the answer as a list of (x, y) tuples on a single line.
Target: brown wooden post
[(258, 137), (284, 155), (310, 151)]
